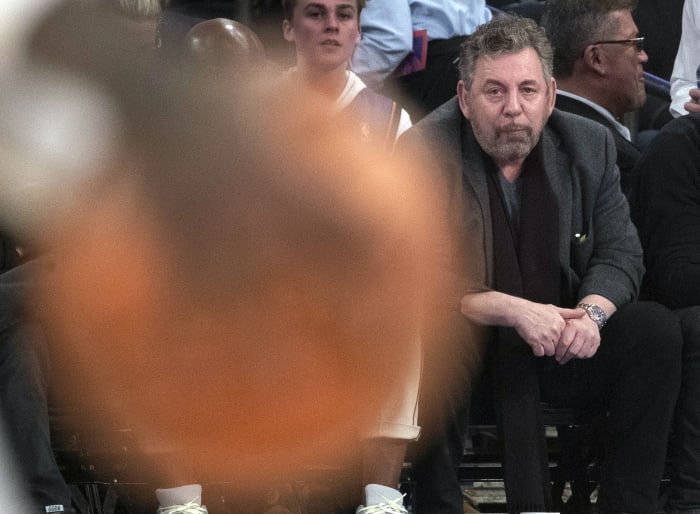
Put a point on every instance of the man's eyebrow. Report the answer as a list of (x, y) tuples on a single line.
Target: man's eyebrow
[(321, 6), (495, 82)]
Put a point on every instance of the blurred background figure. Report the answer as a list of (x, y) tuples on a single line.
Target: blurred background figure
[(230, 272)]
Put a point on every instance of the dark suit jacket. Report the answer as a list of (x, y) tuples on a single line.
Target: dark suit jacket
[(627, 153), (666, 208), (599, 252)]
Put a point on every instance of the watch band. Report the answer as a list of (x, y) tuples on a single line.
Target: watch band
[(595, 313)]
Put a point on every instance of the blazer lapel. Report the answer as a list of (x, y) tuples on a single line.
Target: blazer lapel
[(474, 172), (555, 161)]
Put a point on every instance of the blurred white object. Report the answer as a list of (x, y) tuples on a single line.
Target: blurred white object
[(17, 18), (56, 130)]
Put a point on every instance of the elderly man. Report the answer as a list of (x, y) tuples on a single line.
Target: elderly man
[(534, 200)]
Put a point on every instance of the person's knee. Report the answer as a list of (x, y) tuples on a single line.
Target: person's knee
[(652, 330), (690, 323), (23, 354)]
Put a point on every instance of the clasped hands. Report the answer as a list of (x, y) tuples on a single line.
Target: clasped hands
[(554, 331)]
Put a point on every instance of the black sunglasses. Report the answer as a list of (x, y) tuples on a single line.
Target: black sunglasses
[(638, 42)]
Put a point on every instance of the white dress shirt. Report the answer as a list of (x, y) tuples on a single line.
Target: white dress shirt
[(687, 59)]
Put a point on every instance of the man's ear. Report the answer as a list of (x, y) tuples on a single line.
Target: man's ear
[(288, 31), (594, 60), (462, 92), (552, 95)]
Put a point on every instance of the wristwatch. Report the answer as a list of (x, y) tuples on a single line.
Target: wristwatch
[(595, 313)]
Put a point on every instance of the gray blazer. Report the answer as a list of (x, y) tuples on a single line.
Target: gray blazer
[(600, 252)]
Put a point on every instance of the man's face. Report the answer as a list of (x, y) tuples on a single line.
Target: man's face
[(508, 104), (624, 66), (325, 32)]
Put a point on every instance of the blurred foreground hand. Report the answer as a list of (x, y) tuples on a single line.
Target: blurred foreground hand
[(231, 274)]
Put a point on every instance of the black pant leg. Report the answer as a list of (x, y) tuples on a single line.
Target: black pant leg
[(450, 368), (636, 375), (684, 494), (24, 411), (436, 469), (642, 402)]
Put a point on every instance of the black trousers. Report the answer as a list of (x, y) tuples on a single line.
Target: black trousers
[(635, 375), (24, 370), (684, 491)]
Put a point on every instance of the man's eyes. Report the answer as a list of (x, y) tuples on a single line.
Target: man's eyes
[(523, 90), (344, 15)]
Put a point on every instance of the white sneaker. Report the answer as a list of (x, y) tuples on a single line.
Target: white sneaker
[(382, 500), (186, 499)]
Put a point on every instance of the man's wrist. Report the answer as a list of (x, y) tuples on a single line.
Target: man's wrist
[(595, 313)]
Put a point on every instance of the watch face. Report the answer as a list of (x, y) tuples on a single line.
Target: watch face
[(595, 313)]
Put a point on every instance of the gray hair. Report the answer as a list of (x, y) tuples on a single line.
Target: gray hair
[(572, 25), (139, 8), (504, 34)]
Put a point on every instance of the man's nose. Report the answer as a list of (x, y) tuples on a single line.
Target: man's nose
[(643, 56), (512, 105), (331, 23)]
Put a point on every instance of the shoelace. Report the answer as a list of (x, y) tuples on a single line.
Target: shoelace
[(186, 508), (390, 507)]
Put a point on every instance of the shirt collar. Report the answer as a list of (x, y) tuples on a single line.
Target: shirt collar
[(624, 131)]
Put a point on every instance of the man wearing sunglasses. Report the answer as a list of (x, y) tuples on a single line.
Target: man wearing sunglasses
[(598, 59)]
